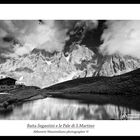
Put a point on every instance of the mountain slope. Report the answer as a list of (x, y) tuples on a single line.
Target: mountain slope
[(118, 64), (125, 84)]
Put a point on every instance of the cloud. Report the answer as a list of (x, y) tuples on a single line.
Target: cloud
[(121, 36), (48, 35), (22, 36), (32, 35)]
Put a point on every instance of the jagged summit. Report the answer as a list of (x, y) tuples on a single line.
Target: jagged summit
[(43, 52)]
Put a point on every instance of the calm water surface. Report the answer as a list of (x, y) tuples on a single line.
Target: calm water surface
[(65, 109)]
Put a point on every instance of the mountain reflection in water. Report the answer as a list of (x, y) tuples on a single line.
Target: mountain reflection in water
[(65, 109)]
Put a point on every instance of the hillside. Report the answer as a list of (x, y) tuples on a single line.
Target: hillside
[(125, 84)]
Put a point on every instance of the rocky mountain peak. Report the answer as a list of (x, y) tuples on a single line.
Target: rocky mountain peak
[(43, 52), (117, 64)]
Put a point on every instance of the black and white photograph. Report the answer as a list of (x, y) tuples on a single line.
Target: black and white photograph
[(69, 69), (72, 75)]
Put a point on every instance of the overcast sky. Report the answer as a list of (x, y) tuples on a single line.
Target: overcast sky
[(118, 37)]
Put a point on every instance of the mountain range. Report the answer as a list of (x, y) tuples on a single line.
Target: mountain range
[(80, 58), (44, 69)]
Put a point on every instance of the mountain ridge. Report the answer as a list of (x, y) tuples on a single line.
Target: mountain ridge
[(37, 69)]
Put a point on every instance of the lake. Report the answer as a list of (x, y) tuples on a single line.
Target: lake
[(101, 108)]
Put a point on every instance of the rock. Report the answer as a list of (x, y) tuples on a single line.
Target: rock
[(117, 64)]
